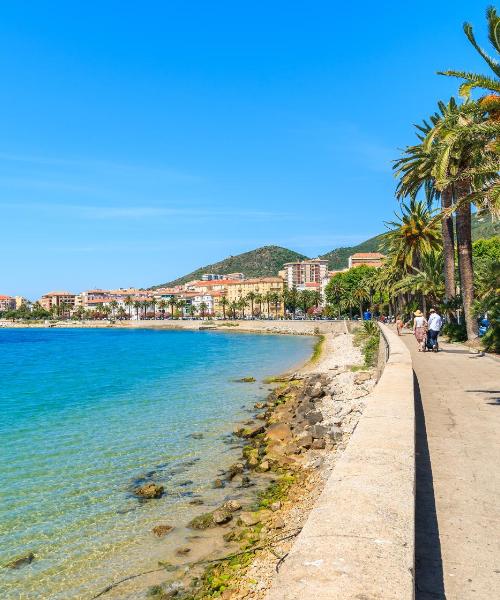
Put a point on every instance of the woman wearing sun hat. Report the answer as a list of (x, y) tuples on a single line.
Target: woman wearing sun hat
[(420, 329)]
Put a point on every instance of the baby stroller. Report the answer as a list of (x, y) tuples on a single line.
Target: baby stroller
[(431, 343)]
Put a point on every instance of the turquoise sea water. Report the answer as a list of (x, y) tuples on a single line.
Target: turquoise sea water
[(86, 414)]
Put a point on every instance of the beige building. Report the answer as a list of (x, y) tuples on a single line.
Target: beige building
[(369, 259), (21, 301), (60, 300), (261, 286)]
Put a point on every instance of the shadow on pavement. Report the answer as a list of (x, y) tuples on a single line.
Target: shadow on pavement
[(429, 582)]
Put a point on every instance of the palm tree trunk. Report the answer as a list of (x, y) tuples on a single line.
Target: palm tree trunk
[(464, 247), (448, 245)]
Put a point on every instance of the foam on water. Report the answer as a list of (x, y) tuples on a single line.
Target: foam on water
[(89, 413)]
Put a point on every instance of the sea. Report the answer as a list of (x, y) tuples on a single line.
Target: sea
[(87, 415)]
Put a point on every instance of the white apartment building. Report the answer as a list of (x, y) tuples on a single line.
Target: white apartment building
[(300, 275)]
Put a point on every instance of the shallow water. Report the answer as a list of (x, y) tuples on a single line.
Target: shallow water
[(87, 414)]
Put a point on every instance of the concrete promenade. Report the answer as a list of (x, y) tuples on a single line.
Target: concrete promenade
[(358, 541), (458, 474)]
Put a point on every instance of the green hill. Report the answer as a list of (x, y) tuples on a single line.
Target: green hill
[(268, 260), (262, 262), (339, 258), (482, 227)]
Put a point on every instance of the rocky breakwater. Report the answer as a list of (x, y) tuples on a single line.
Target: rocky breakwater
[(293, 442)]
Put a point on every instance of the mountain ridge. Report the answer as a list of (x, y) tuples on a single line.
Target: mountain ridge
[(268, 260)]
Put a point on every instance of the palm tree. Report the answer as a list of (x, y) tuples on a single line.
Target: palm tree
[(291, 299), (153, 302), (242, 304), (173, 303), (145, 305), (233, 307), (268, 299), (335, 291), (275, 301), (474, 80), (162, 305), (137, 307), (467, 159), (224, 302), (251, 298), (129, 303), (113, 305), (203, 309), (191, 310), (360, 295), (415, 169), (305, 301), (428, 280), (106, 310), (414, 233), (258, 300), (181, 303)]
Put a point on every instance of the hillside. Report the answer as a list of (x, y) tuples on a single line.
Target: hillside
[(268, 260), (482, 227), (262, 262), (338, 258)]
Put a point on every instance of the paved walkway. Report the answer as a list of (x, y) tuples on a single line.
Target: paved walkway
[(458, 474)]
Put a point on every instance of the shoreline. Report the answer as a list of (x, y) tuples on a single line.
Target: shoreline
[(288, 326), (293, 472)]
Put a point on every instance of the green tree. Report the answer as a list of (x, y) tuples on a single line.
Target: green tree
[(251, 299), (203, 309), (173, 303), (181, 303), (162, 305), (242, 304), (428, 280), (129, 303), (137, 307), (414, 233), (153, 302), (114, 306), (489, 83), (224, 303)]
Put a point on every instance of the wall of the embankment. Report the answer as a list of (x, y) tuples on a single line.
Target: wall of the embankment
[(358, 541)]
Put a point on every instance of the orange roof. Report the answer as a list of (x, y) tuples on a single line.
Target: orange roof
[(58, 294), (257, 280), (368, 255), (312, 284), (215, 282), (6, 298)]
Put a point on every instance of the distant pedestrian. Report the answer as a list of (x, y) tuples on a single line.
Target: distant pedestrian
[(420, 330), (434, 327), (399, 324)]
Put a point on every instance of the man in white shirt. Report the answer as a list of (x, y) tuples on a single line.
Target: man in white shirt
[(434, 324)]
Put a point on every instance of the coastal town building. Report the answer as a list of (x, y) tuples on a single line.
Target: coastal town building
[(236, 290), (215, 277), (21, 301), (62, 302), (7, 303), (218, 285), (301, 273), (369, 259)]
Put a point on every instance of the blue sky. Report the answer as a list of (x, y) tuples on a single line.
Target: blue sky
[(142, 140)]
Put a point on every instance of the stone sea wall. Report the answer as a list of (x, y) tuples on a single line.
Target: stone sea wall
[(358, 541)]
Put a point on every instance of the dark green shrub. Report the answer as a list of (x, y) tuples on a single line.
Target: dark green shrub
[(455, 332)]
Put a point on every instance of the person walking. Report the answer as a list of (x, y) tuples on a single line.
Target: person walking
[(420, 329), (399, 324), (433, 328)]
